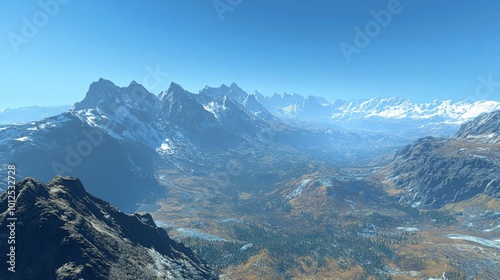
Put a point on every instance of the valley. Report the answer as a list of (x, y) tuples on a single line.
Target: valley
[(319, 225)]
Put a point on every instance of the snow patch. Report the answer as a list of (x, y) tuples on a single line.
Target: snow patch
[(102, 230), (299, 189), (215, 109), (492, 229), (409, 229), (246, 247), (162, 267), (23, 139), (166, 147)]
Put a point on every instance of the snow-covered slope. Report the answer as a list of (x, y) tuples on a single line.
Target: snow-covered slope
[(445, 111)]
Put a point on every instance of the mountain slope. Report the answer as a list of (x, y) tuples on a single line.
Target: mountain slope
[(66, 145), (487, 125), (65, 233), (433, 172)]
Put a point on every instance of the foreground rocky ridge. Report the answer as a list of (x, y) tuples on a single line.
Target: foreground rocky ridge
[(62, 232)]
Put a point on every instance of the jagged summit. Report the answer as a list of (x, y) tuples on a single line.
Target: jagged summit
[(74, 235), (233, 91), (173, 95), (252, 105), (108, 97), (174, 88)]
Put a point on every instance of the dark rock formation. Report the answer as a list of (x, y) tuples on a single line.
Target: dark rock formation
[(62, 232)]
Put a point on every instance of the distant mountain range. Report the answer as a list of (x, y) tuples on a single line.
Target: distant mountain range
[(62, 232), (313, 107), (392, 115), (29, 114)]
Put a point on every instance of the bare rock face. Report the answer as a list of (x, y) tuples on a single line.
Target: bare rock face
[(485, 124), (62, 232), (433, 172)]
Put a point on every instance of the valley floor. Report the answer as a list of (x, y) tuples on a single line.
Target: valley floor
[(341, 224)]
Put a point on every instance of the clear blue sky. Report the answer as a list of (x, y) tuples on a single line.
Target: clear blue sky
[(430, 49)]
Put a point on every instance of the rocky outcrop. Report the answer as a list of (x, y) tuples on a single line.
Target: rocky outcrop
[(62, 232), (432, 172)]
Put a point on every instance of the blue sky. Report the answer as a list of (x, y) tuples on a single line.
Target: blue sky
[(427, 50)]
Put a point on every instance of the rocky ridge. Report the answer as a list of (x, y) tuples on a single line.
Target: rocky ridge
[(62, 232)]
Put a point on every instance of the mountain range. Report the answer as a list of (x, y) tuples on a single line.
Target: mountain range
[(129, 134), (393, 115)]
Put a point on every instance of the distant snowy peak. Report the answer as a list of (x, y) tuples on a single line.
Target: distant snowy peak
[(284, 100), (398, 108), (173, 89), (380, 107), (233, 91), (174, 96), (255, 108), (180, 107), (107, 97)]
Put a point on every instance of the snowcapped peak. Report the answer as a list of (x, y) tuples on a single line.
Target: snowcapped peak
[(102, 91), (102, 80), (174, 91), (174, 87), (250, 98), (255, 108), (234, 86), (102, 83), (222, 90), (175, 94), (233, 92), (107, 97)]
